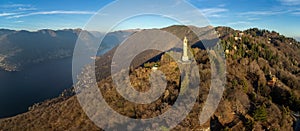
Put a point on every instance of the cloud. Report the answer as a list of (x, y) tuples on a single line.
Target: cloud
[(14, 5), (239, 23), (213, 12), (19, 21), (26, 8), (296, 13), (177, 2), (265, 13), (7, 14), (54, 13), (221, 5), (253, 18), (290, 2)]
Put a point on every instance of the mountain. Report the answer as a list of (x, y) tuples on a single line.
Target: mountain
[(23, 48), (262, 90), (297, 38)]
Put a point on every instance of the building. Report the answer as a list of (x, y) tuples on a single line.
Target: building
[(272, 80), (155, 67)]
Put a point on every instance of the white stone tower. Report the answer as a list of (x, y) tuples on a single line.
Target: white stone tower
[(185, 56)]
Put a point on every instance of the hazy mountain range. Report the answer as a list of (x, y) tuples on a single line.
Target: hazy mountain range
[(22, 48), (297, 38)]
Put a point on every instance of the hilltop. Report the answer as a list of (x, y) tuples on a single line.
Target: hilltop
[(262, 90)]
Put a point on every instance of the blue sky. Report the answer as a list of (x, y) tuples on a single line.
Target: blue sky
[(280, 15)]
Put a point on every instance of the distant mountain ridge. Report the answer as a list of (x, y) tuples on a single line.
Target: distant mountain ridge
[(22, 48), (297, 38)]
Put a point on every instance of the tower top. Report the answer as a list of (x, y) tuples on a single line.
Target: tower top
[(185, 40)]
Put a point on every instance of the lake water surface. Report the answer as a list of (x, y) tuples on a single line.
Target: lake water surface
[(19, 90)]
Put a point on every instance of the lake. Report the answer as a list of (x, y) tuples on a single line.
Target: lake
[(19, 90)]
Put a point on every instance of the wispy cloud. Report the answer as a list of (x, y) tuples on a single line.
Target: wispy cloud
[(221, 5), (14, 5), (253, 18), (239, 23), (265, 13), (296, 13), (290, 2), (19, 21), (177, 2), (213, 12), (54, 13), (26, 8), (7, 14)]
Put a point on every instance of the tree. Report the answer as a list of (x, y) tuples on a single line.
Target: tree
[(260, 114)]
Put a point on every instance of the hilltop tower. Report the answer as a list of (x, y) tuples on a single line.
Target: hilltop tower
[(185, 56)]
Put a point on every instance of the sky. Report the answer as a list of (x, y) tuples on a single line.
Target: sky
[(282, 16)]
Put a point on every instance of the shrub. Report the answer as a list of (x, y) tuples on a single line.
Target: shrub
[(163, 128), (147, 65), (260, 114), (234, 83), (249, 125)]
